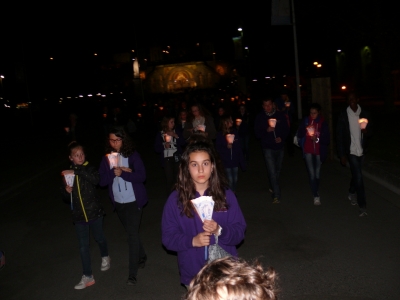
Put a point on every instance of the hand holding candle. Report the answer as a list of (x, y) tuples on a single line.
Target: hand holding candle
[(167, 138), (287, 104), (238, 122), (201, 128), (230, 138), (272, 123), (363, 123)]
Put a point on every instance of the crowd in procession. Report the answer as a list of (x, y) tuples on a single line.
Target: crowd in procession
[(200, 154)]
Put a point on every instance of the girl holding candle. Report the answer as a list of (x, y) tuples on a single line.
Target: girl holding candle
[(200, 174), (200, 122), (168, 145), (87, 211), (230, 151), (127, 191), (314, 135)]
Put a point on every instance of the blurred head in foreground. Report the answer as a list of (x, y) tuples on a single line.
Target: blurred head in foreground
[(231, 278)]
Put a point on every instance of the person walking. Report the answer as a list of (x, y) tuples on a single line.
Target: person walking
[(352, 143), (87, 212), (271, 127), (123, 171), (314, 136)]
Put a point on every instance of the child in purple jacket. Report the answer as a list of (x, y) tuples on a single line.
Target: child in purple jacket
[(230, 151), (123, 171), (183, 231)]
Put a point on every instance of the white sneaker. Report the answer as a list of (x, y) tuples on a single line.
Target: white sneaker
[(85, 282), (105, 263), (317, 201)]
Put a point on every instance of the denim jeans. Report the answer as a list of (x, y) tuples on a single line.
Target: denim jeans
[(357, 181), (232, 174), (130, 216), (313, 164), (82, 231), (273, 160)]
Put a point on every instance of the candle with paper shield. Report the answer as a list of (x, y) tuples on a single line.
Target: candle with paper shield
[(238, 122), (230, 138), (113, 159), (287, 104), (272, 123), (363, 123), (201, 127), (204, 207), (69, 180), (311, 130), (167, 138)]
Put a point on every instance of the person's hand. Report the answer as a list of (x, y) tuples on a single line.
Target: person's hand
[(343, 160), (171, 133), (167, 145), (68, 189), (364, 130), (270, 129), (314, 138), (210, 226), (278, 140), (126, 169), (67, 172), (229, 146), (201, 240), (117, 171)]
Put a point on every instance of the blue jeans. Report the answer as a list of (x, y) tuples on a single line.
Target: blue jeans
[(130, 216), (273, 160), (82, 231), (313, 164), (232, 174), (357, 181)]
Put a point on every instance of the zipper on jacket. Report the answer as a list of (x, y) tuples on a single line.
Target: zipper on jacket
[(80, 198)]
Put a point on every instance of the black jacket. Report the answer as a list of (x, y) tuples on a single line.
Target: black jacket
[(343, 139), (86, 204)]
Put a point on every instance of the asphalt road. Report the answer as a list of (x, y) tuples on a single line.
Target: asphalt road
[(325, 252)]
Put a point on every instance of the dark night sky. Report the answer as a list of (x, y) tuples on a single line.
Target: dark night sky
[(73, 33)]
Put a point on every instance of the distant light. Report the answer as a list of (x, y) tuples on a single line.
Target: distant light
[(103, 96), (343, 87), (339, 50), (120, 92), (98, 94), (133, 50), (248, 99), (197, 44), (133, 59), (240, 29), (2, 76), (267, 77), (214, 53), (145, 59), (51, 58), (67, 98), (232, 98), (95, 54), (90, 95), (315, 63), (254, 79), (124, 99), (319, 66), (61, 99), (247, 48), (169, 47), (284, 85), (111, 93), (80, 96), (284, 75), (139, 115), (300, 85)]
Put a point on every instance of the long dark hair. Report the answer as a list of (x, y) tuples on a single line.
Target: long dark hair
[(217, 183), (127, 147)]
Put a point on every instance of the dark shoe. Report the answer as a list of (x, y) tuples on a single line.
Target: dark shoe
[(142, 262), (131, 280)]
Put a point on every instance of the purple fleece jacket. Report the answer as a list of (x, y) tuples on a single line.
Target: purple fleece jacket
[(268, 138), (178, 231), (231, 158), (136, 177)]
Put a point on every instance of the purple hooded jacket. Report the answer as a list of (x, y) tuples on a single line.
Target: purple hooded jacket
[(178, 231), (136, 177)]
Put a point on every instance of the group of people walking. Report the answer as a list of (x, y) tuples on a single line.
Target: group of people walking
[(200, 160)]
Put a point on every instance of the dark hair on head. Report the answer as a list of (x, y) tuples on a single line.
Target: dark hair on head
[(127, 147), (266, 99), (315, 106), (164, 123), (217, 183), (73, 145), (222, 124), (203, 111), (237, 278)]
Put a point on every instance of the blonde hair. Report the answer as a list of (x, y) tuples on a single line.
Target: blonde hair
[(232, 278)]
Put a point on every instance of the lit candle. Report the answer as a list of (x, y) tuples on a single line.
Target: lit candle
[(230, 138), (363, 123), (287, 104), (238, 122), (167, 138), (272, 122)]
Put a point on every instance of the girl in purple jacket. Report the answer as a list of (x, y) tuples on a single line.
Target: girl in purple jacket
[(200, 174), (230, 151), (122, 170)]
